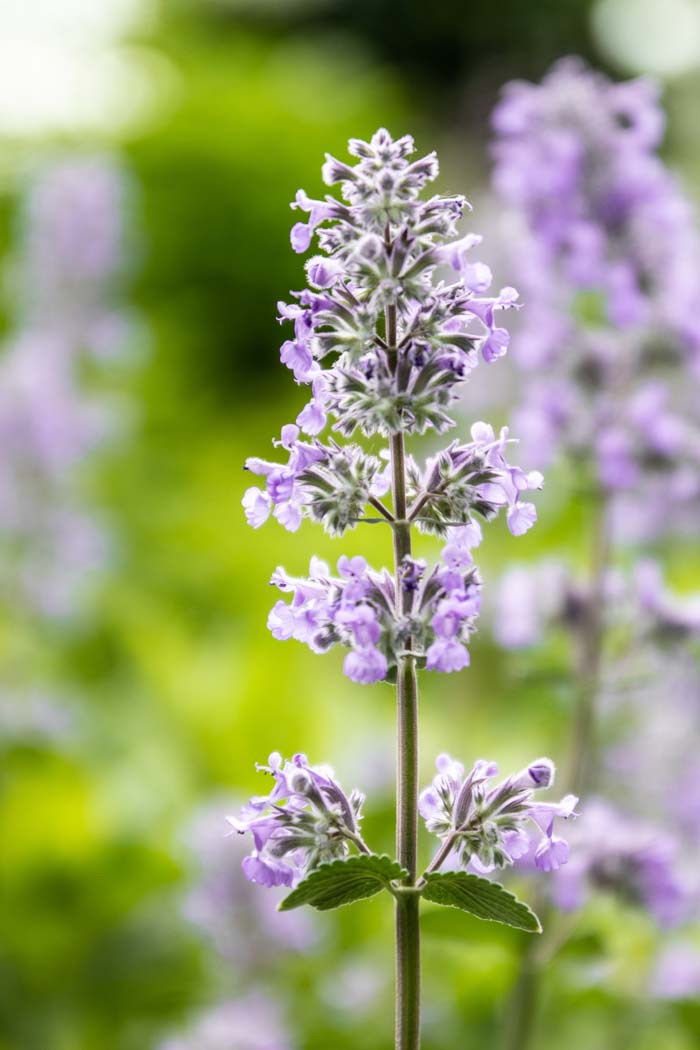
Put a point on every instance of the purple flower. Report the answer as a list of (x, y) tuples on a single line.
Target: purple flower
[(318, 212), (365, 665), (257, 505), (298, 357), (446, 654), (495, 345), (323, 272), (312, 418), (305, 820), (619, 854), (490, 828), (521, 517), (362, 619)]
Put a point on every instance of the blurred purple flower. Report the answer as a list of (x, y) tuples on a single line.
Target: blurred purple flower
[(609, 257), (655, 766), (677, 972), (74, 241), (243, 925), (252, 1022), (615, 853), (50, 423), (668, 613)]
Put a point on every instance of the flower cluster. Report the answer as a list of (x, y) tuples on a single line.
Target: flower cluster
[(329, 483), (383, 343), (357, 609), (466, 480), (606, 250), (305, 820), (383, 245), (491, 827), (334, 484)]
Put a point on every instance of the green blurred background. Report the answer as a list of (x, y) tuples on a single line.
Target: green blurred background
[(218, 111)]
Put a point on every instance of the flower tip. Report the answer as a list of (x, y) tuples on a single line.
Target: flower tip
[(542, 772), (520, 518), (443, 761), (568, 806)]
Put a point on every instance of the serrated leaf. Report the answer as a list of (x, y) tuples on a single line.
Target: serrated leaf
[(344, 881), (480, 897)]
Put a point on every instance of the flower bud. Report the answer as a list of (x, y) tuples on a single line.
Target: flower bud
[(540, 773), (300, 782)]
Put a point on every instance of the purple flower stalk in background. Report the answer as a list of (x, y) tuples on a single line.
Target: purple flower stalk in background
[(607, 253), (606, 250), (50, 423), (644, 845), (533, 599)]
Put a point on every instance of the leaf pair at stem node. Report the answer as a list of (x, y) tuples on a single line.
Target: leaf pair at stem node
[(345, 881)]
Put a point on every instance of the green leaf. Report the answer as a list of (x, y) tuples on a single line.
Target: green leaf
[(344, 881), (480, 897)]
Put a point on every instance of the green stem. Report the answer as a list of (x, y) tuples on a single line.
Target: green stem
[(522, 1013), (407, 905), (521, 1016), (407, 973), (583, 758)]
